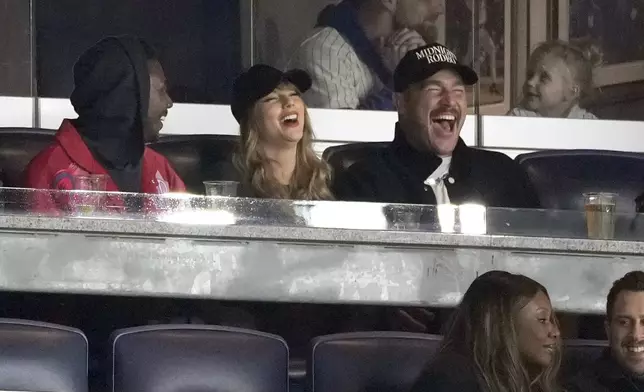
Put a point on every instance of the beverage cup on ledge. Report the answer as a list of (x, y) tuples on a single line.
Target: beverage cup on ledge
[(221, 188), (88, 197), (600, 214), (403, 217)]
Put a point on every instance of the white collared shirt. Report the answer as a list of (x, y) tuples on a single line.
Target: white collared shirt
[(436, 181)]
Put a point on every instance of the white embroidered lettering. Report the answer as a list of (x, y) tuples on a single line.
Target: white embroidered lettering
[(436, 54)]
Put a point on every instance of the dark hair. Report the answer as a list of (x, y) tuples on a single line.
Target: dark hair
[(483, 332), (150, 52), (632, 281)]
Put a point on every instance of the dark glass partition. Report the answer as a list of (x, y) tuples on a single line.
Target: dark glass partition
[(15, 48), (198, 41)]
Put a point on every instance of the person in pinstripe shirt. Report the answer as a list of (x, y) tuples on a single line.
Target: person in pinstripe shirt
[(355, 47)]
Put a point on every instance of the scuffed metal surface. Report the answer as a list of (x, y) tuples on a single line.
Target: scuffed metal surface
[(325, 252), (260, 270)]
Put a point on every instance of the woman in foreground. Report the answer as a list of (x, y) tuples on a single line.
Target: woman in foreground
[(503, 337)]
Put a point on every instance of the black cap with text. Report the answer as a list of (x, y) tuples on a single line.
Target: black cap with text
[(420, 63)]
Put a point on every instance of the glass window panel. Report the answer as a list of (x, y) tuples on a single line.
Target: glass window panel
[(15, 48), (282, 26), (488, 59), (198, 41), (16, 66), (616, 26), (615, 29)]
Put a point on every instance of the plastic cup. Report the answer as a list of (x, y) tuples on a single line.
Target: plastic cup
[(221, 188), (600, 214), (89, 196)]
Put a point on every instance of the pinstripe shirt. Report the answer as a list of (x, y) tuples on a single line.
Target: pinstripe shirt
[(340, 79)]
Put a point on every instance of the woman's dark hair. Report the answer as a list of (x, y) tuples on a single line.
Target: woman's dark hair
[(483, 331)]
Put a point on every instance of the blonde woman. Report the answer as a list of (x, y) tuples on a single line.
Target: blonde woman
[(276, 158)]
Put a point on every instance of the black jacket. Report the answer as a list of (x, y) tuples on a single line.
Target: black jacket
[(448, 372), (397, 175), (605, 375)]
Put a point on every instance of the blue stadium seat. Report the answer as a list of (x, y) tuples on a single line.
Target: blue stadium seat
[(369, 361), (37, 356), (178, 358), (562, 176)]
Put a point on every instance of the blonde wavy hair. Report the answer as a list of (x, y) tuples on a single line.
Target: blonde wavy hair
[(581, 57), (311, 178), (483, 331)]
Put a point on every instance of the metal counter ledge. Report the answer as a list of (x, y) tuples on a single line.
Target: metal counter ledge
[(325, 252)]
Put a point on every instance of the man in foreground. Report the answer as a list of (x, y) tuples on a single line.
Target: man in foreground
[(621, 367)]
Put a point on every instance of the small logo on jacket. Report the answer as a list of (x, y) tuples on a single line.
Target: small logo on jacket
[(162, 184), (63, 180)]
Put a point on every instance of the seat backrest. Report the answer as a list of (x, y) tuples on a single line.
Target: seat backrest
[(194, 156), (369, 361), (177, 358), (562, 176), (341, 157), (37, 356), (18, 146), (579, 354)]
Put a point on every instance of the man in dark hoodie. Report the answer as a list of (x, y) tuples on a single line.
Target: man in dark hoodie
[(356, 46), (121, 99)]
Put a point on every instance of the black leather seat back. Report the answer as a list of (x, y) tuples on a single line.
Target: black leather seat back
[(369, 361), (18, 146), (197, 358), (36, 356), (194, 156), (578, 354), (341, 157), (562, 176)]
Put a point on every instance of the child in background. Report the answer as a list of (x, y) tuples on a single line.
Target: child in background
[(559, 76)]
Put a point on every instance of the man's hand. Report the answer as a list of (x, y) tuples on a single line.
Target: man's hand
[(411, 319), (394, 47)]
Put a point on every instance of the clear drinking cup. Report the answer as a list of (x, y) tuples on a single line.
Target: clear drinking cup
[(600, 214), (221, 188), (405, 217), (89, 196)]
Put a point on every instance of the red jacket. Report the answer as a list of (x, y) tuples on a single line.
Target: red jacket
[(56, 166)]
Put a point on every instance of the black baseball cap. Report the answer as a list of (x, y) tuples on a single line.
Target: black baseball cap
[(259, 81), (421, 63)]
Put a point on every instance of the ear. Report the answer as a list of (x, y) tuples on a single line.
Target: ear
[(607, 327), (399, 103), (575, 92), (390, 5)]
